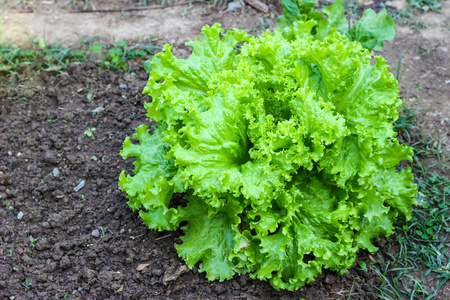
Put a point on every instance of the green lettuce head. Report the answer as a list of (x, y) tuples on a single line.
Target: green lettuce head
[(283, 147)]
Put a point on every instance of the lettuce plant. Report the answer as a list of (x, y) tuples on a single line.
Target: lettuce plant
[(281, 146)]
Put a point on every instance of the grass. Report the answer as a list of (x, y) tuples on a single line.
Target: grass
[(407, 16), (57, 57), (419, 263)]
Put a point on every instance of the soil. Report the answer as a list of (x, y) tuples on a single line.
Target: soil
[(88, 244)]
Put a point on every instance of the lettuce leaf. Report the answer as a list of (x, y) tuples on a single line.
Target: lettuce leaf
[(371, 30), (284, 152)]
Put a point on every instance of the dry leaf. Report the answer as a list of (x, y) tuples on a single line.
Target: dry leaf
[(142, 267)]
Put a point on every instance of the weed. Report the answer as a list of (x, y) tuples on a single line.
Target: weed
[(89, 132), (101, 229), (27, 284), (58, 56), (11, 57), (94, 158), (9, 206), (405, 123), (117, 56), (32, 240), (398, 65), (401, 17), (363, 266), (408, 15), (426, 51), (426, 5), (421, 241), (351, 290)]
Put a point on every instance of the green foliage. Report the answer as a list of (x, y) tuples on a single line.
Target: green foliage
[(11, 57), (58, 57), (117, 56), (89, 132), (421, 241), (32, 240), (371, 30), (27, 284), (284, 153), (426, 5)]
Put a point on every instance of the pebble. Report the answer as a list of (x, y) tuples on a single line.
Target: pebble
[(50, 157), (97, 110), (20, 215), (79, 186), (123, 86), (95, 233), (56, 172), (233, 6)]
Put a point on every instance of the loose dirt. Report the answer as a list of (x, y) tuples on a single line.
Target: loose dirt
[(88, 244)]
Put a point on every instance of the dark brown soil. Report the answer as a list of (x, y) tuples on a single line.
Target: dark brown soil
[(89, 244)]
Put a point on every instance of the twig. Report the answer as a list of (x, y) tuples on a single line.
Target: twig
[(133, 8), (162, 237)]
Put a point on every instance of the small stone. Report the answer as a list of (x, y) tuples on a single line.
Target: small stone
[(50, 157), (42, 278), (123, 86), (95, 233), (20, 215), (56, 172), (233, 6), (97, 110), (65, 262), (79, 186)]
